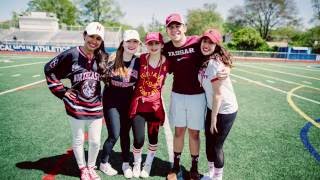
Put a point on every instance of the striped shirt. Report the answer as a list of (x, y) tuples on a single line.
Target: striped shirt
[(73, 64)]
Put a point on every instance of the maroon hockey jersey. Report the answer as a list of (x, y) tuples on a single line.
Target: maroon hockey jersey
[(73, 64)]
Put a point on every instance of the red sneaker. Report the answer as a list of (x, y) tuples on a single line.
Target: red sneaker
[(93, 174), (84, 174)]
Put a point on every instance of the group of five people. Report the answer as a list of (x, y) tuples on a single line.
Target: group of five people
[(202, 97)]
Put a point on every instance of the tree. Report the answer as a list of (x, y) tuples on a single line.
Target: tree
[(198, 20), (247, 39), (235, 20), (309, 38), (316, 9), (141, 31), (64, 9), (264, 15), (284, 33), (156, 25), (99, 10)]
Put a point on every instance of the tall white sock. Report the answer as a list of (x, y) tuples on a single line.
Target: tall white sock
[(218, 172), (211, 168), (137, 155), (152, 149)]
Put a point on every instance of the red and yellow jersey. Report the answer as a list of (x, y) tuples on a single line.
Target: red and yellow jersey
[(147, 94)]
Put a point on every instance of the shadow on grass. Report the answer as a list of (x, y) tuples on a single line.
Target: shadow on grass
[(65, 164)]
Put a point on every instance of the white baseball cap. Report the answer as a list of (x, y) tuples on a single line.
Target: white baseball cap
[(131, 34), (95, 28)]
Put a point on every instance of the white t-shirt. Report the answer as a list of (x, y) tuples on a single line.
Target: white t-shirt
[(206, 75)]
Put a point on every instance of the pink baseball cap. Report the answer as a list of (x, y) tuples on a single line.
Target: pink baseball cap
[(174, 17), (153, 36), (214, 35)]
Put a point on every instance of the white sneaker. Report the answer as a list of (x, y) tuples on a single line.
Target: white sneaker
[(217, 177), (136, 169), (145, 173), (207, 176), (127, 171), (107, 169)]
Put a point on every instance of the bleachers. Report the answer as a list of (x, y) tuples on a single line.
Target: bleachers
[(40, 32), (60, 37), (4, 33), (27, 36), (67, 37)]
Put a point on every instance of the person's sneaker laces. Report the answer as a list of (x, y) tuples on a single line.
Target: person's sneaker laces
[(84, 174), (145, 173), (93, 174), (107, 169), (136, 169), (127, 171)]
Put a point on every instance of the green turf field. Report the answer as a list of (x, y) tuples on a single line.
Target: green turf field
[(275, 135)]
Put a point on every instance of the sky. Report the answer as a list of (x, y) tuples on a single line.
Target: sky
[(139, 12)]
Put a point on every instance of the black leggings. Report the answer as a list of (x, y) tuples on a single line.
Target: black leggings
[(214, 142), (138, 129), (118, 124)]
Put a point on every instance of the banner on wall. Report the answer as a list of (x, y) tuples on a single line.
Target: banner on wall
[(33, 48), (41, 48)]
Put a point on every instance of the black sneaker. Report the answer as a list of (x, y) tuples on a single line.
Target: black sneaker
[(194, 175)]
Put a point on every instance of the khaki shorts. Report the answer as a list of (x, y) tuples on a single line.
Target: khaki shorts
[(187, 110)]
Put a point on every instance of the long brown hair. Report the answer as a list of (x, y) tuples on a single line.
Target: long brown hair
[(102, 58), (224, 55), (220, 53), (119, 67), (102, 61)]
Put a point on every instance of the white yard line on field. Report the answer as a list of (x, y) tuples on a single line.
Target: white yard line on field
[(6, 60), (168, 135), (308, 68), (21, 87), (307, 82), (278, 79), (169, 139), (37, 75), (282, 72), (24, 57), (15, 75), (269, 81), (18, 65), (275, 89)]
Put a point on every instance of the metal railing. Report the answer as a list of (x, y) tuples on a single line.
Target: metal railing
[(280, 55), (115, 39)]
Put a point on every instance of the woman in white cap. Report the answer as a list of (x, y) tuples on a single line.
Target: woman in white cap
[(222, 104), (117, 96), (83, 99)]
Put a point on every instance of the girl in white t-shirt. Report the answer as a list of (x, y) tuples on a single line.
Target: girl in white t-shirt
[(222, 105)]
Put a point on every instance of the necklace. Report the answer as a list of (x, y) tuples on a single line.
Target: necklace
[(159, 64)]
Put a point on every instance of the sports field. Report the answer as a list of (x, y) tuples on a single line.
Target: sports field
[(275, 136)]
